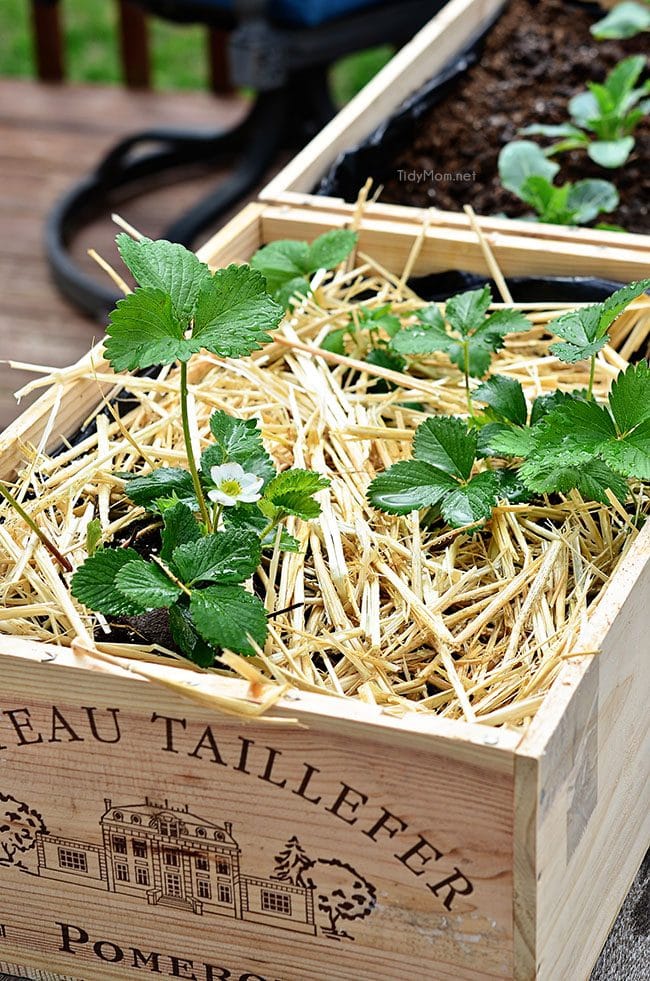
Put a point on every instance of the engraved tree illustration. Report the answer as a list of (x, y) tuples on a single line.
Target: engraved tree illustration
[(341, 894), (19, 825), (291, 863)]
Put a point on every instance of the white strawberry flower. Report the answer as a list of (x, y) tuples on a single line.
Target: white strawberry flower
[(233, 485)]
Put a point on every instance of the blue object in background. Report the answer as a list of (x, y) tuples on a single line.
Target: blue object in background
[(299, 13)]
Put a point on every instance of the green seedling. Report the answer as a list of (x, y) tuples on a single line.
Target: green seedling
[(604, 118), (622, 21), (288, 265), (526, 171)]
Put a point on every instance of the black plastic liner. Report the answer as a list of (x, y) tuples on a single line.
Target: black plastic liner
[(374, 156), (524, 289)]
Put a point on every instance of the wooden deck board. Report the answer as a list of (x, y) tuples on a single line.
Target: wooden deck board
[(50, 136)]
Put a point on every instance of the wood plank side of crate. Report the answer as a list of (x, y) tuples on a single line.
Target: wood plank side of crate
[(326, 780), (582, 786), (391, 242), (456, 25), (537, 232)]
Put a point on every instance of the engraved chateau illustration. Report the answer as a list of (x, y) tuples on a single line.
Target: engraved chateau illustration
[(170, 857)]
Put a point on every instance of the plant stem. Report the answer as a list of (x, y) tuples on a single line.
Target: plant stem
[(170, 575), (269, 528), (216, 516), (191, 461), (466, 373), (592, 373), (50, 546)]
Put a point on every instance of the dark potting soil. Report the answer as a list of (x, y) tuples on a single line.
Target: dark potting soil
[(535, 58)]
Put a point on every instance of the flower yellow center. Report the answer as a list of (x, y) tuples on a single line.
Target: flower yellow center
[(230, 487)]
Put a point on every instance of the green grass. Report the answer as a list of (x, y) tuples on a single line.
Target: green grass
[(179, 57)]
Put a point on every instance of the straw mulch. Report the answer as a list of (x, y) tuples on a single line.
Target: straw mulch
[(470, 627)]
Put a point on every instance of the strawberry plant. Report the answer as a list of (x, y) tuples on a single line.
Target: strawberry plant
[(288, 265), (465, 333), (604, 118), (218, 515), (525, 170), (564, 441)]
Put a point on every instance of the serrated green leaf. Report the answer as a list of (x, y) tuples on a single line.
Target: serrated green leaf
[(292, 292), (165, 482), (384, 358), (225, 615), (431, 315), (93, 584), (579, 329), (589, 476), (184, 635), (615, 304), (498, 439), (331, 248), (409, 486), (423, 338), (165, 266), (281, 261), (291, 492), (510, 486), (237, 441), (506, 398), (180, 527), (446, 444), (630, 455), (465, 312), (629, 399), (225, 557), (544, 404), (144, 330), (234, 312), (248, 517), (471, 502), (501, 323), (93, 535), (146, 585), (572, 429)]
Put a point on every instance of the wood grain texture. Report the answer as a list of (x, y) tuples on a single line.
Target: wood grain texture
[(590, 746), (402, 820)]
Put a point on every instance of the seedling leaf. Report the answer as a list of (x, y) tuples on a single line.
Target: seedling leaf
[(447, 444), (505, 396), (409, 486), (291, 492), (234, 313), (168, 267), (180, 527)]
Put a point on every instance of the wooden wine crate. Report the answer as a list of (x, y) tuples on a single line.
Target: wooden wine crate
[(144, 832), (440, 41)]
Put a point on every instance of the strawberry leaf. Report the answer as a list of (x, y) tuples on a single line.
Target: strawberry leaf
[(146, 585), (447, 444), (234, 313), (471, 502), (225, 557), (168, 267), (145, 330), (505, 396), (180, 527), (93, 584), (291, 492), (224, 616), (409, 486), (237, 441)]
